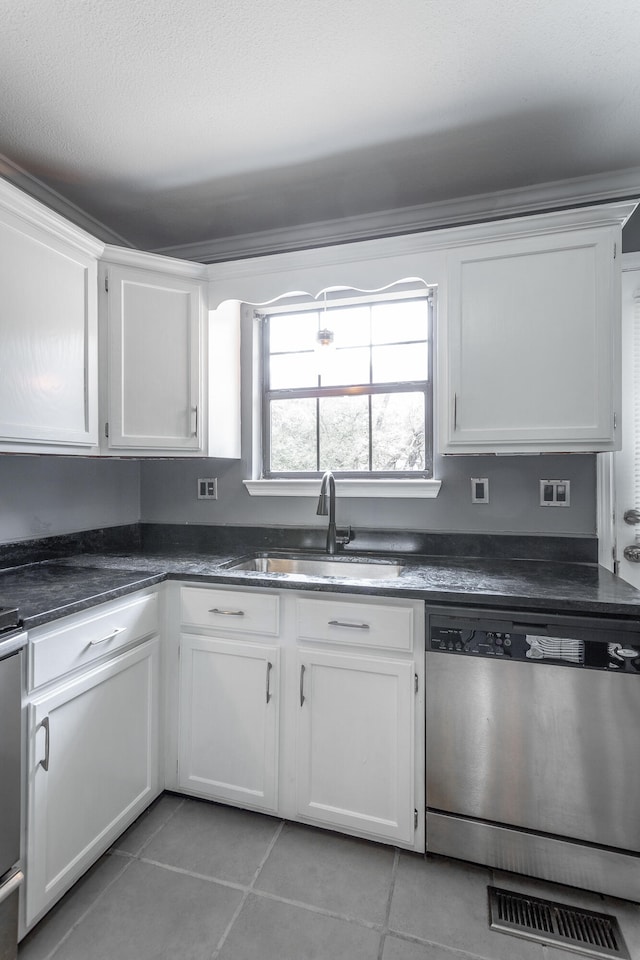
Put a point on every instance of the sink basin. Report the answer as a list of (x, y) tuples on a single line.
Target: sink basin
[(364, 569)]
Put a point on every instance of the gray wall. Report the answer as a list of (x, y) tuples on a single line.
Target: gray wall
[(631, 233), (169, 495), (45, 496), (42, 496)]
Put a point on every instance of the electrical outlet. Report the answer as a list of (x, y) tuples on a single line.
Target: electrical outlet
[(479, 490), (555, 493), (208, 489)]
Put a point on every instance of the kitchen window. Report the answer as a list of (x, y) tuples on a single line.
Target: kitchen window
[(347, 386)]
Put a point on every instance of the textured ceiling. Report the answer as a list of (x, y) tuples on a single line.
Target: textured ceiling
[(178, 122)]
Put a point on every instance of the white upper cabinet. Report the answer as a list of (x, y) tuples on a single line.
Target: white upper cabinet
[(48, 330), (529, 344), (154, 374)]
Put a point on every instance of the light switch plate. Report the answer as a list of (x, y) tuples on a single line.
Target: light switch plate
[(479, 490), (555, 493), (208, 488)]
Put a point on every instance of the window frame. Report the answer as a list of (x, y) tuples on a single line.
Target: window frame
[(424, 293)]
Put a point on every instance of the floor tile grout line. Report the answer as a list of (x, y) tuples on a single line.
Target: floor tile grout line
[(138, 854), (236, 913), (270, 847), (322, 911), (387, 913), (263, 894), (234, 885), (89, 909)]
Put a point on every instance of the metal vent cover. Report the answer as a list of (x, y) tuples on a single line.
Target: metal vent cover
[(582, 931)]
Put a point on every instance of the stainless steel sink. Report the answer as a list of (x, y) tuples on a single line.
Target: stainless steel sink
[(364, 569)]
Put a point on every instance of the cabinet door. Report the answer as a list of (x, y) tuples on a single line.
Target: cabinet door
[(355, 746), (228, 736), (530, 360), (93, 768), (48, 341), (154, 356)]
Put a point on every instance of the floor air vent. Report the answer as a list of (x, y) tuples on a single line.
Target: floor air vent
[(582, 931)]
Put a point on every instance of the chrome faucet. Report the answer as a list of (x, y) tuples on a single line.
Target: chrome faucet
[(328, 493)]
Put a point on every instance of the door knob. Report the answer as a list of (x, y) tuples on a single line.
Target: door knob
[(632, 517), (632, 554)]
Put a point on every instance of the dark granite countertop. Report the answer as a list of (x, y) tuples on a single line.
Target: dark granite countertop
[(48, 590)]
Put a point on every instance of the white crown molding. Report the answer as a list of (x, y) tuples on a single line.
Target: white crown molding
[(153, 261), (631, 261), (41, 204), (311, 258), (580, 191), (15, 201), (39, 191)]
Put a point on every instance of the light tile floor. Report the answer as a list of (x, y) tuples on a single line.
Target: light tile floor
[(200, 881)]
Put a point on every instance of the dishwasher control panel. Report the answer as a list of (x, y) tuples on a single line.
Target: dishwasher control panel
[(482, 640), (490, 643)]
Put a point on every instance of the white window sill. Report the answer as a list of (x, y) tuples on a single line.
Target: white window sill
[(363, 489)]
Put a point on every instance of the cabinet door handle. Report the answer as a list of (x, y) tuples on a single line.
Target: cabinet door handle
[(302, 696), (45, 726), (114, 633), (269, 669), (227, 613), (455, 411), (345, 623), (195, 420)]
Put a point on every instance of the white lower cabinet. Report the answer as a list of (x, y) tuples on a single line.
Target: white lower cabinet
[(93, 767), (229, 709), (355, 744), (303, 704)]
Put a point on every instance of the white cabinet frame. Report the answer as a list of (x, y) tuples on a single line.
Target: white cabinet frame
[(529, 348), (93, 766), (154, 361), (355, 744), (48, 330), (229, 720)]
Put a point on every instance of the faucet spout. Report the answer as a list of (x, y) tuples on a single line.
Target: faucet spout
[(327, 507)]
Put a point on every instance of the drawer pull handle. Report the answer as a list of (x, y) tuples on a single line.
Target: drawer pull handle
[(353, 626), (269, 669), (227, 613), (114, 633), (302, 696), (45, 726)]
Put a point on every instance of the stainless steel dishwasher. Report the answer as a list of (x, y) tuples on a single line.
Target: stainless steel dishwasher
[(12, 640), (532, 756)]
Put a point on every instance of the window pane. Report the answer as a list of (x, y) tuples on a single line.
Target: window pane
[(394, 322), (351, 325), (293, 435), (346, 367), (344, 433), (398, 431), (293, 370), (405, 362), (293, 331)]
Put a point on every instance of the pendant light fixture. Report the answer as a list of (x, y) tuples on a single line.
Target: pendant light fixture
[(325, 339)]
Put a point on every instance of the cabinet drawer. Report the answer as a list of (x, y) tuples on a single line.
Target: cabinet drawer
[(231, 610), (77, 644), (368, 624)]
